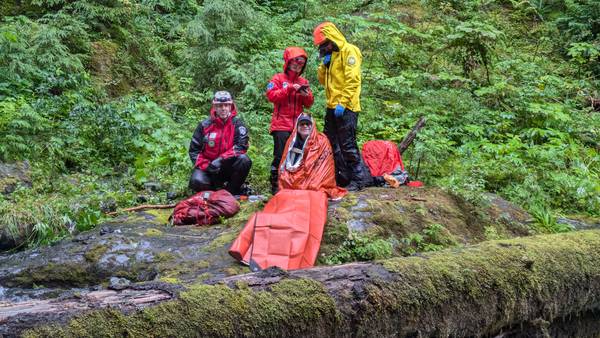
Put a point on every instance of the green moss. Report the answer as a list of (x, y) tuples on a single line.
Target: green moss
[(151, 232), (164, 257), (181, 270), (222, 240), (95, 253), (171, 280), (7, 182), (53, 274), (496, 279), (237, 269), (388, 215), (349, 201), (203, 277), (161, 216), (294, 307)]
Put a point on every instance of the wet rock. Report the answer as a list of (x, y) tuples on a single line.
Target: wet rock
[(171, 195), (105, 230), (152, 186), (141, 199), (138, 247), (116, 283), (109, 205), (578, 224), (14, 174)]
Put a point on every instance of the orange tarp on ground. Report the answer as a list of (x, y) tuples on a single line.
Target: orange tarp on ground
[(315, 170), (287, 233), (382, 157)]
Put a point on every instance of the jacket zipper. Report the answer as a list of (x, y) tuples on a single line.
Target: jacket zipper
[(327, 80)]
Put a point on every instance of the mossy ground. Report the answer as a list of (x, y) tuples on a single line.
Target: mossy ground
[(418, 219)]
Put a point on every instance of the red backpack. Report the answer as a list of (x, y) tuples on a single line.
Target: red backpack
[(204, 208)]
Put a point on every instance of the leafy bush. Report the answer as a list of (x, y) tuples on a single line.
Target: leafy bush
[(359, 247)]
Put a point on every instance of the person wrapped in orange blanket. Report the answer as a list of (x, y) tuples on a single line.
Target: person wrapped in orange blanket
[(307, 162), (287, 232)]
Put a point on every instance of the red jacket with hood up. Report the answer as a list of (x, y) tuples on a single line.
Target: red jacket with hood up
[(287, 102), (214, 138)]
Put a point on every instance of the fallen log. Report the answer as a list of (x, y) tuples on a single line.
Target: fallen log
[(410, 137), (472, 291)]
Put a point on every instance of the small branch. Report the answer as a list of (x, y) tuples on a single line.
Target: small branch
[(143, 207)]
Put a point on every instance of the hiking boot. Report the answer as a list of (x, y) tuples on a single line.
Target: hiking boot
[(353, 186)]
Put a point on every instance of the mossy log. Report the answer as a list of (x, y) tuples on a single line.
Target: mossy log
[(479, 290)]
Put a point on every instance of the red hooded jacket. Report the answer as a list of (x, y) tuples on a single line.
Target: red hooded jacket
[(287, 102), (214, 138)]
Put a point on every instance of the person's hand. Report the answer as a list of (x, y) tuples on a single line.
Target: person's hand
[(327, 59), (214, 166), (339, 111)]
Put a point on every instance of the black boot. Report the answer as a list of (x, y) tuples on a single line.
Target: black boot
[(274, 182)]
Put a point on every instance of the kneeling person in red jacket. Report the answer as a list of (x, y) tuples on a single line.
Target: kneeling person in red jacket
[(218, 149)]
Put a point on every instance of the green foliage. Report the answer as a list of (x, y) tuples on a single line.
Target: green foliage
[(580, 30), (359, 247), (433, 238), (474, 42)]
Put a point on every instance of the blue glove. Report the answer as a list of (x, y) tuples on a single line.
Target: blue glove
[(327, 59), (339, 110)]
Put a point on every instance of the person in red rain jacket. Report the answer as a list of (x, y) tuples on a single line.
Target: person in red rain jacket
[(218, 149), (290, 94)]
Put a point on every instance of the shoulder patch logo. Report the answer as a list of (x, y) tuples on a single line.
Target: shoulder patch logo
[(270, 86), (351, 60), (243, 130), (285, 84)]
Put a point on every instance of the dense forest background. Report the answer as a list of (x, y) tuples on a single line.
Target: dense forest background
[(101, 97)]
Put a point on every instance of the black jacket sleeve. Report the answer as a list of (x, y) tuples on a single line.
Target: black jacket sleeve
[(240, 137), (197, 143)]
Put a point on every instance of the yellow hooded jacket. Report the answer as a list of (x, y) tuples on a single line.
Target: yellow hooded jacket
[(342, 78)]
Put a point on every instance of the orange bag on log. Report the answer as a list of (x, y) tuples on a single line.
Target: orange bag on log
[(315, 170), (287, 233), (205, 207), (382, 157)]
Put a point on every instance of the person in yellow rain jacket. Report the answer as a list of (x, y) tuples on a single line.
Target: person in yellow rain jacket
[(340, 73)]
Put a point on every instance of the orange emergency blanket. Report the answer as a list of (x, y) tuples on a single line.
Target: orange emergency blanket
[(286, 234), (382, 157), (315, 170)]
